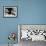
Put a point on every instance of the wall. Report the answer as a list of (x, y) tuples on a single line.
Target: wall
[(7, 25), (29, 12), (32, 11)]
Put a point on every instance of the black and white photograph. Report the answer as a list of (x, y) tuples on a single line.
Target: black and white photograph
[(33, 32), (10, 11)]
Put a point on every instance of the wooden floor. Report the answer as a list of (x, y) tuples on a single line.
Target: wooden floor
[(30, 43)]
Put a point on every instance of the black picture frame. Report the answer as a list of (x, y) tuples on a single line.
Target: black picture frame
[(13, 9)]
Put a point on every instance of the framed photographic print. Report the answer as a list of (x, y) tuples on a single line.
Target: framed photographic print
[(10, 11), (33, 32)]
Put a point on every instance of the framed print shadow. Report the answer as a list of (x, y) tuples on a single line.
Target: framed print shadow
[(9, 11)]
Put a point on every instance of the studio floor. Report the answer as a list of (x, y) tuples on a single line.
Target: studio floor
[(32, 43)]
